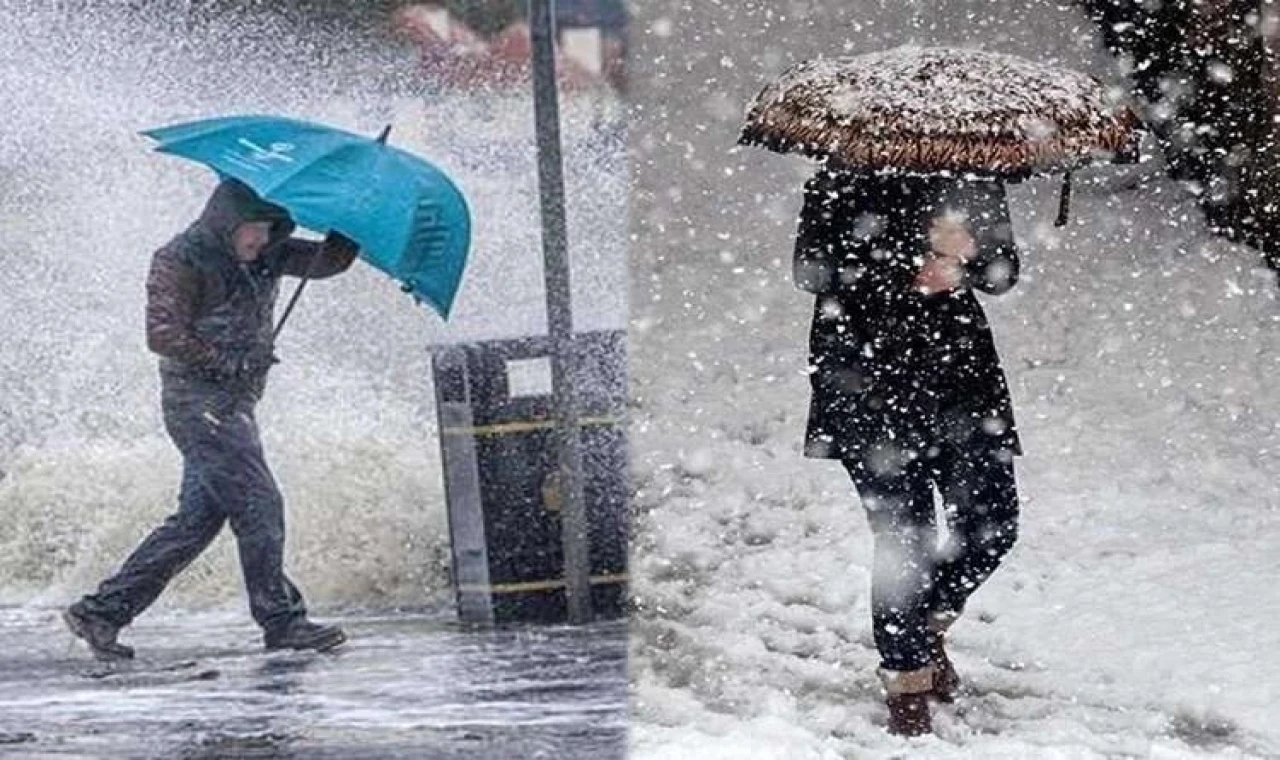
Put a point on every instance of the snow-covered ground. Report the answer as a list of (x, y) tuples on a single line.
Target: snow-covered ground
[(1135, 618)]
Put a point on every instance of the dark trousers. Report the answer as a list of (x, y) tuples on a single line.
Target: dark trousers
[(225, 479), (912, 576)]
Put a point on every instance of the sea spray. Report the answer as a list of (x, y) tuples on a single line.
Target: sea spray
[(348, 419)]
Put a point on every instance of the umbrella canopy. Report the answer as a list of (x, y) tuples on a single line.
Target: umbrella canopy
[(943, 109), (409, 219)]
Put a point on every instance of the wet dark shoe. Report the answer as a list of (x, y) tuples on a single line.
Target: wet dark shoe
[(99, 634), (304, 634)]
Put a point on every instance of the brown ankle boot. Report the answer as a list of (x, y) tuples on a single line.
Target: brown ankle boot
[(909, 715), (908, 701)]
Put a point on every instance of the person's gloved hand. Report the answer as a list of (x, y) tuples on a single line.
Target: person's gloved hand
[(335, 243), (258, 360), (940, 274), (949, 237), (241, 364), (951, 247)]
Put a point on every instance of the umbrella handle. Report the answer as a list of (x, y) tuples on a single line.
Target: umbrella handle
[(1064, 202)]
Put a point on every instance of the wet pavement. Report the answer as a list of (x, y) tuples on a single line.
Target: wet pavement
[(405, 686)]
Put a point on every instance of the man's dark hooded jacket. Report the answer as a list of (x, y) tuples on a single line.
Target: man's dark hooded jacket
[(894, 370), (210, 319), (209, 316)]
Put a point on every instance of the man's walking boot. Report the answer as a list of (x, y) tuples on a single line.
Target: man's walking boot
[(908, 701), (304, 634), (99, 634), (946, 681)]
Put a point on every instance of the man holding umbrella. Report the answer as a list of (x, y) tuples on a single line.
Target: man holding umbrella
[(905, 219), (211, 295)]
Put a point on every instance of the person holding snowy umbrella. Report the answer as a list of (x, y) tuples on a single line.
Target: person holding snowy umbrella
[(904, 221)]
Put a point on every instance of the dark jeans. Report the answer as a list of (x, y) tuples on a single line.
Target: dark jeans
[(225, 478), (914, 577)]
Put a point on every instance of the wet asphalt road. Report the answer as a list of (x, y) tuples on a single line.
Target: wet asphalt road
[(405, 686)]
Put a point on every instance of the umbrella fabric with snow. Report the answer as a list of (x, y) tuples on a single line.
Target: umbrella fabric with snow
[(408, 217), (931, 110)]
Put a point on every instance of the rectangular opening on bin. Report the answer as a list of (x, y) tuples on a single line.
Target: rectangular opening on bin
[(529, 377)]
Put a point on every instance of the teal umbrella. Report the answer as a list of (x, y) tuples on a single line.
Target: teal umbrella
[(408, 217)]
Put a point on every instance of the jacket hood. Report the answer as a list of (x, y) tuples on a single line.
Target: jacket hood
[(234, 203)]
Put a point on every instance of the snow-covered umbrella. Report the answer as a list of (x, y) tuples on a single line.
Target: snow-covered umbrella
[(931, 110)]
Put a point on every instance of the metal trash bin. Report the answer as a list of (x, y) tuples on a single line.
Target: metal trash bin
[(501, 463)]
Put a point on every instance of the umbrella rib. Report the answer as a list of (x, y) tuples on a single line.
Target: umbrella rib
[(289, 176), (275, 186)]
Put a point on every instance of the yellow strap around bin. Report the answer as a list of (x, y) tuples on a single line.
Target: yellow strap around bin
[(549, 585), (507, 428)]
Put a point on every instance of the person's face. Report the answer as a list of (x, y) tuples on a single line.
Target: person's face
[(249, 240)]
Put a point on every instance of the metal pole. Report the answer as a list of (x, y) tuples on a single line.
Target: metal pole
[(573, 537)]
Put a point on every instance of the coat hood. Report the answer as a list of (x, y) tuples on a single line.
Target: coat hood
[(234, 203)]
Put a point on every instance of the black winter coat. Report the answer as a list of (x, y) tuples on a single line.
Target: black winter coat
[(895, 373)]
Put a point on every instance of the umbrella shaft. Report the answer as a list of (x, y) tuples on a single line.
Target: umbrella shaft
[(289, 309)]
